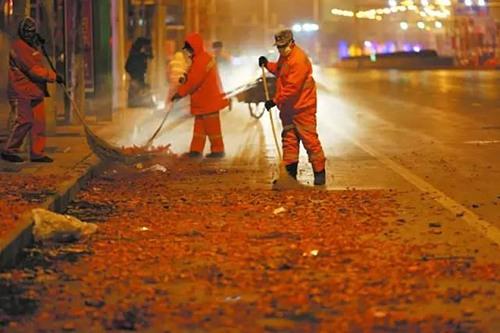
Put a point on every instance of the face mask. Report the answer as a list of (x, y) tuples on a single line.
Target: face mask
[(285, 51)]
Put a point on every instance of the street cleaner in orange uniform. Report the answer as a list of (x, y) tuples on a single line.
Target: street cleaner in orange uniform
[(203, 84), (27, 87), (296, 100)]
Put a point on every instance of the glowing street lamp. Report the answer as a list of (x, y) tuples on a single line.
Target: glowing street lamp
[(297, 28), (404, 25), (310, 27), (305, 27)]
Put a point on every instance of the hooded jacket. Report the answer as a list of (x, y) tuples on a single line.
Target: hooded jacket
[(203, 82), (295, 86)]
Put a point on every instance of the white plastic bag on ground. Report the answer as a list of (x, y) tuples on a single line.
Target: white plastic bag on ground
[(53, 227), (156, 167)]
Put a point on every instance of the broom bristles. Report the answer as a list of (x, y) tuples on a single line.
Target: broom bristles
[(108, 152)]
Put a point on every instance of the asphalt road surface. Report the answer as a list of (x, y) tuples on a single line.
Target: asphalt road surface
[(439, 130)]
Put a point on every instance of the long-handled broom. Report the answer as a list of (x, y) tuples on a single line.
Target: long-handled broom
[(284, 181), (99, 146), (158, 130)]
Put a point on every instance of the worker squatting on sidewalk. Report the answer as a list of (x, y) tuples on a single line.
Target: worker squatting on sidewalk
[(26, 90), (296, 100), (207, 99)]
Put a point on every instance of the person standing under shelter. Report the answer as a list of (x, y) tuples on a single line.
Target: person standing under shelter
[(137, 67)]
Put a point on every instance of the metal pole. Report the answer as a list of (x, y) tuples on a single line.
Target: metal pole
[(213, 20), (118, 43), (317, 19), (196, 10), (265, 21), (188, 16), (159, 47)]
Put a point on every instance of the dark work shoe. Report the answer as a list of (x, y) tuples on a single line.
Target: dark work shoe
[(43, 159), (292, 169), (320, 178), (12, 158), (192, 154), (216, 155)]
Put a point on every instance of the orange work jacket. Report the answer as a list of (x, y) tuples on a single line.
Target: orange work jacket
[(203, 82), (27, 77), (295, 86)]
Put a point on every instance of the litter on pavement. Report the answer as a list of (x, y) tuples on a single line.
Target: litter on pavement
[(53, 227)]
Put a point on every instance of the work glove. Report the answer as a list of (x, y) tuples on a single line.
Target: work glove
[(263, 61), (269, 104), (175, 98), (60, 79)]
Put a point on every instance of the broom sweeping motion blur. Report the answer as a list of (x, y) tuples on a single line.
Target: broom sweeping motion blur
[(103, 149), (284, 180)]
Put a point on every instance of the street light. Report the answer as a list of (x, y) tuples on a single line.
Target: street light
[(403, 25), (305, 27), (297, 28), (310, 27)]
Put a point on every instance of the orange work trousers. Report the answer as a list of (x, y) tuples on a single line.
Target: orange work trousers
[(301, 127), (207, 125), (30, 116)]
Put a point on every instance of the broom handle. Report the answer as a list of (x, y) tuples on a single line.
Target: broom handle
[(275, 135), (77, 109), (150, 141), (63, 85)]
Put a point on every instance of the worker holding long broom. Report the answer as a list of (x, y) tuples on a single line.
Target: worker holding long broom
[(207, 98), (27, 88), (296, 100)]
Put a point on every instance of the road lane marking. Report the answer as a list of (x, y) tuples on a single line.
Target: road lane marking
[(482, 226), (482, 142)]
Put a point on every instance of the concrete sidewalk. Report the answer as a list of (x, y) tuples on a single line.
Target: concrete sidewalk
[(27, 185), (51, 186)]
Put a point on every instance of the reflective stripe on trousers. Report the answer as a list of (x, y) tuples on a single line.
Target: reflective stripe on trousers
[(30, 115), (302, 128), (207, 125)]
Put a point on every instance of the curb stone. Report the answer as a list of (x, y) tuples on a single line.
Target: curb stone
[(12, 244)]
